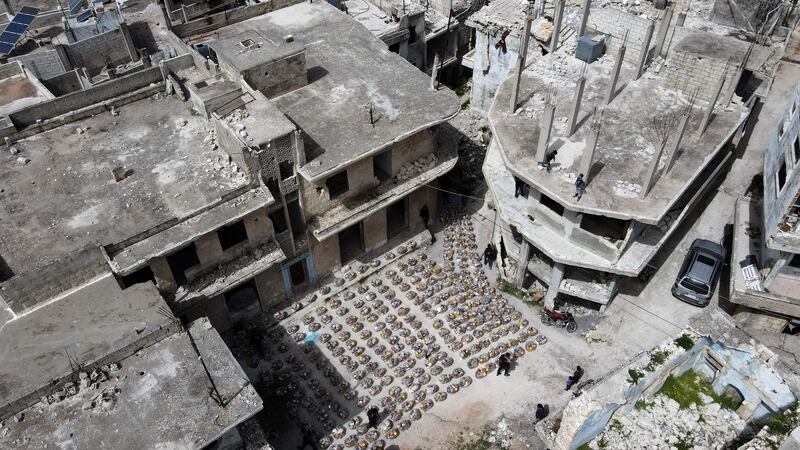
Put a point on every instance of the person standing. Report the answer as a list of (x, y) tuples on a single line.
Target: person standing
[(541, 413), (487, 256), (504, 363), (373, 415), (548, 160), (425, 215), (580, 186)]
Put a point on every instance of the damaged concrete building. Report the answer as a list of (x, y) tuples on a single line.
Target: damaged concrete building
[(715, 386), (229, 170), (765, 265), (82, 357), (430, 35), (501, 30), (299, 155), (650, 126)]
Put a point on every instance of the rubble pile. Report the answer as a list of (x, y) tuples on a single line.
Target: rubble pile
[(663, 425), (400, 342), (413, 169)]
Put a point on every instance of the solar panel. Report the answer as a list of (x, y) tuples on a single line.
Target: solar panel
[(18, 26), (28, 10), (75, 6), (84, 16), (24, 19)]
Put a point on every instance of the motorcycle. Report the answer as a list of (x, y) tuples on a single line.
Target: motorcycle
[(556, 318)]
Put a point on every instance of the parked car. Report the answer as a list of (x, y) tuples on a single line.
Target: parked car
[(699, 273)]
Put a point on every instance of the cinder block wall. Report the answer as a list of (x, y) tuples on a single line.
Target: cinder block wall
[(687, 72), (44, 64), (9, 70), (94, 53), (616, 23)]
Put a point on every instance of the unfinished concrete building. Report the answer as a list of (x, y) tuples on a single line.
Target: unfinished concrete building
[(648, 135), (765, 265), (500, 31), (430, 35)]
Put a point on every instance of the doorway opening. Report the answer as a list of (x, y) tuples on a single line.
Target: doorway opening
[(181, 261), (382, 165), (241, 298), (298, 274), (351, 243), (396, 218)]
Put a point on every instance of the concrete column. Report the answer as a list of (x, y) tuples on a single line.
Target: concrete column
[(434, 70), (208, 248), (710, 108), (162, 273), (522, 262), (545, 127), (523, 53), (591, 145), (732, 90), (612, 87), (556, 275), (572, 220), (648, 35), (258, 227), (299, 149), (663, 30), (676, 144), (576, 105), (652, 169), (559, 17), (587, 5)]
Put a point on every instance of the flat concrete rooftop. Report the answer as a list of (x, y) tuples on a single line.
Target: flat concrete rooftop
[(161, 397), (249, 49), (628, 138), (85, 326), (348, 69), (19, 92), (66, 197)]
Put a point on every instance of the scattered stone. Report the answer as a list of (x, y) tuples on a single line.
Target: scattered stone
[(13, 150), (21, 161)]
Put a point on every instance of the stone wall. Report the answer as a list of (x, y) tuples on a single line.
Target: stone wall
[(25, 291)]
